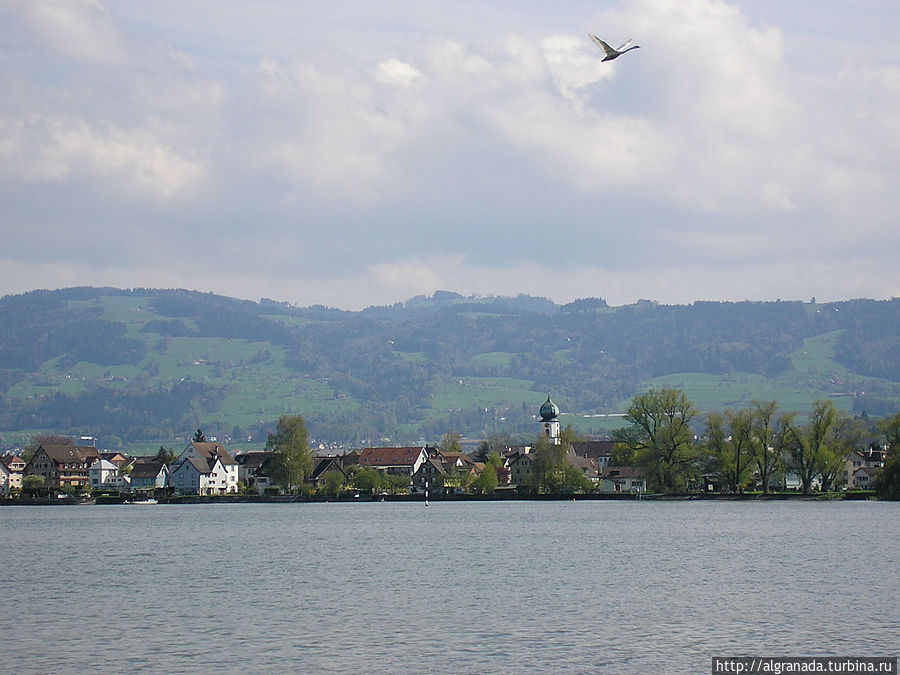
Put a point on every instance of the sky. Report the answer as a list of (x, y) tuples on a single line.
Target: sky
[(353, 153)]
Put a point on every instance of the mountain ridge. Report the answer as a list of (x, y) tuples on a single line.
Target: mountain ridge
[(142, 364)]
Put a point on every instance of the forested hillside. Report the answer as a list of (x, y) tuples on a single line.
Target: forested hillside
[(149, 364)]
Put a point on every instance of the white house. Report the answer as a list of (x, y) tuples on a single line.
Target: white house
[(623, 479), (4, 480), (217, 465), (103, 475)]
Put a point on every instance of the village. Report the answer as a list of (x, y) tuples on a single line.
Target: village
[(207, 468)]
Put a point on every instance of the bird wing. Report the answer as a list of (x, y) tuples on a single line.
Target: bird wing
[(605, 47), (618, 49)]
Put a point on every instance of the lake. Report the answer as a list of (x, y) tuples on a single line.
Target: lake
[(454, 587)]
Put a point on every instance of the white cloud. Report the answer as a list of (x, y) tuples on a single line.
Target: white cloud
[(77, 29), (703, 164)]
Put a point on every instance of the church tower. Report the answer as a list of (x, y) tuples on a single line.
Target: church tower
[(550, 421)]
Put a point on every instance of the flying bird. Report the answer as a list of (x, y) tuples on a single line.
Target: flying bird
[(610, 52)]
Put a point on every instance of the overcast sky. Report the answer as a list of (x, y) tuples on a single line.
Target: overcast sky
[(352, 153)]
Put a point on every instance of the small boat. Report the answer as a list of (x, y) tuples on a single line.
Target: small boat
[(143, 501)]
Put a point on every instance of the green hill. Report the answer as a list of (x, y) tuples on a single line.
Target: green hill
[(151, 366)]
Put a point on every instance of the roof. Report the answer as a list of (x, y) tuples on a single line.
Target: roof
[(435, 464), (595, 449), (209, 450), (326, 463), (389, 456), (146, 469), (71, 454), (456, 459), (623, 472), (253, 460), (199, 463), (9, 460)]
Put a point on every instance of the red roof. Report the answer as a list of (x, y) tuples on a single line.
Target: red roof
[(389, 456)]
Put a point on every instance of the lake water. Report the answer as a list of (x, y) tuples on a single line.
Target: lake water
[(497, 587)]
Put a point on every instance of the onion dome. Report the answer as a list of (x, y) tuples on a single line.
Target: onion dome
[(549, 411)]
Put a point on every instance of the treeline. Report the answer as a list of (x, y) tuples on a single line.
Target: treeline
[(162, 412), (744, 449)]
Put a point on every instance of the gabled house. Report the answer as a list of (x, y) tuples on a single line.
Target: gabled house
[(323, 467), (116, 458), (61, 465), (147, 474), (623, 479), (599, 451), (870, 458), (519, 465), (397, 461), (15, 467), (221, 470), (253, 469), (430, 476), (200, 476), (104, 475), (863, 477), (587, 465)]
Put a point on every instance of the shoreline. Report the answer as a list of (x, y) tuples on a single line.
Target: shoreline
[(864, 495)]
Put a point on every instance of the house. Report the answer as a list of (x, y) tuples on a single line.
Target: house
[(215, 473), (623, 479), (15, 467), (61, 465), (599, 451), (323, 467), (200, 476), (519, 465), (104, 475), (871, 458), (4, 480), (397, 461), (116, 458), (429, 476), (863, 477), (148, 474), (253, 469), (587, 465)]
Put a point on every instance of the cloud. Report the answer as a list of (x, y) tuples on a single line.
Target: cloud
[(82, 30), (320, 169)]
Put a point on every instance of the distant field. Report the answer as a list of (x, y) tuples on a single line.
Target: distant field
[(492, 360), (487, 392)]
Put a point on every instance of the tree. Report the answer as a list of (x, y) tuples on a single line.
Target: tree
[(450, 443), (767, 441), (33, 486), (547, 467), (199, 437), (844, 437), (660, 437), (487, 482), (890, 428), (493, 443), (334, 483), (164, 455), (887, 481), (728, 446), (821, 446), (292, 463), (368, 480)]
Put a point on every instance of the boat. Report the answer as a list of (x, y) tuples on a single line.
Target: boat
[(143, 501)]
